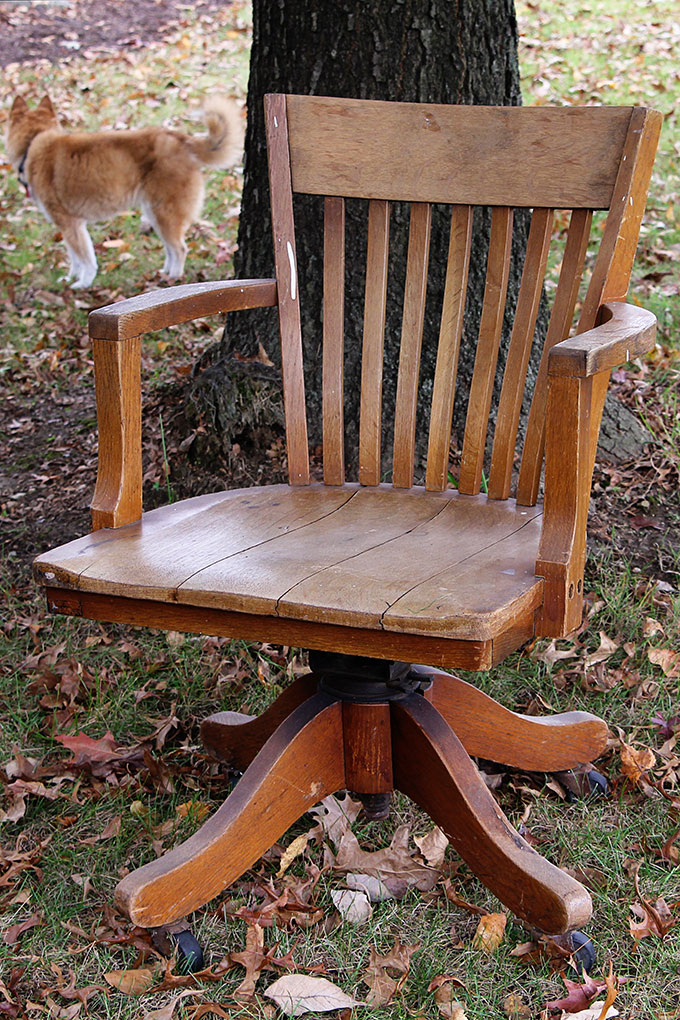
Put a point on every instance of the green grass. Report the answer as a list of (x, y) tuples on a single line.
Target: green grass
[(127, 681)]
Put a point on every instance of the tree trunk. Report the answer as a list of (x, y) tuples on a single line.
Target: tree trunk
[(409, 50)]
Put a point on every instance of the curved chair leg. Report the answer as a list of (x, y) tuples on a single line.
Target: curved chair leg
[(301, 763), (432, 767), (552, 743), (236, 738)]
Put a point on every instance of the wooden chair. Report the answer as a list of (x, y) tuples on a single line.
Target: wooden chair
[(373, 576)]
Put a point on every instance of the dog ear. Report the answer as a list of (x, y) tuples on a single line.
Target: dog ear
[(19, 107), (46, 104)]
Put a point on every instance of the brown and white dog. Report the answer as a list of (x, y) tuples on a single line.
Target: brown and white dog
[(81, 177)]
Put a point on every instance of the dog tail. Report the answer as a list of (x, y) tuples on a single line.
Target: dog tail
[(224, 140)]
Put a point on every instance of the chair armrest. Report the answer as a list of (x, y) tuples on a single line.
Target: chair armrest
[(624, 332), (115, 331), (172, 305)]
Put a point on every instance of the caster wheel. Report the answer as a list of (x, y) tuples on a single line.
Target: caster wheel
[(177, 940), (189, 952), (582, 784), (582, 951)]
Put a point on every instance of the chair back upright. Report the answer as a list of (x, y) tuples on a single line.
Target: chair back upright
[(550, 160)]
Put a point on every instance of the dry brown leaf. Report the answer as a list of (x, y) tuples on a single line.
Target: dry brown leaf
[(667, 659), (444, 996), (395, 865), (433, 846), (167, 1012), (515, 1007), (334, 817), (131, 982), (596, 1011), (579, 997), (253, 958), (296, 848), (655, 918), (490, 932), (296, 994), (376, 890), (636, 762), (352, 905), (606, 648), (382, 986)]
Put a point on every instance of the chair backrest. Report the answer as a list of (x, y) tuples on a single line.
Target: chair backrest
[(545, 159)]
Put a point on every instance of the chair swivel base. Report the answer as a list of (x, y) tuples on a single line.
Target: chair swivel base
[(372, 727)]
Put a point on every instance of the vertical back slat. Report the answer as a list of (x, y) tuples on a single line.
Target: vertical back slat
[(514, 377), (450, 331), (374, 341), (558, 329), (411, 342), (288, 289), (491, 324), (333, 341)]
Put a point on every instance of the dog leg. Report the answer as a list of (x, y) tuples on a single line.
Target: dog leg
[(81, 254)]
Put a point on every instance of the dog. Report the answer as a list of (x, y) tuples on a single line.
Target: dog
[(82, 177)]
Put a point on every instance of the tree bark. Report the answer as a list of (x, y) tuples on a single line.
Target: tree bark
[(410, 50)]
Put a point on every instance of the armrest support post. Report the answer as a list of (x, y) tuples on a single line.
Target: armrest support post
[(118, 494), (568, 470), (116, 332)]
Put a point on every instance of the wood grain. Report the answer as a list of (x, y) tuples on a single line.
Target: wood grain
[(287, 276), (406, 404), (519, 351), (561, 319), (235, 738), (117, 498), (370, 422), (486, 357), (262, 806), (367, 748), (463, 155), (333, 342), (433, 769), (451, 328), (162, 308), (489, 730), (625, 332)]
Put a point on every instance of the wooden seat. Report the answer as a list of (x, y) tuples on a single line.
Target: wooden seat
[(372, 576)]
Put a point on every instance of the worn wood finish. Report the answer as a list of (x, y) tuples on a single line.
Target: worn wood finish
[(235, 738), (625, 332), (368, 748), (521, 341), (342, 555), (451, 328), (117, 497), (486, 357), (411, 342), (259, 810), (433, 769), (285, 260), (463, 155), (374, 342), (558, 329), (489, 730), (333, 342), (561, 555), (172, 305)]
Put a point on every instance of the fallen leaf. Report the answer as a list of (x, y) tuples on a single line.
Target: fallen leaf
[(596, 1011), (514, 1006), (253, 958), (166, 1012), (12, 934), (444, 996), (297, 994), (382, 986), (334, 817), (655, 918), (606, 648), (580, 996), (433, 846), (375, 889), (296, 848), (84, 749), (352, 905), (395, 865), (490, 932), (131, 982), (636, 762), (667, 659)]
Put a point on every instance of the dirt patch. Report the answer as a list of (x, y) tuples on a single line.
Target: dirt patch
[(55, 31)]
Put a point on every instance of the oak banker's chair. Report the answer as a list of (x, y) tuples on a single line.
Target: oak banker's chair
[(371, 576)]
